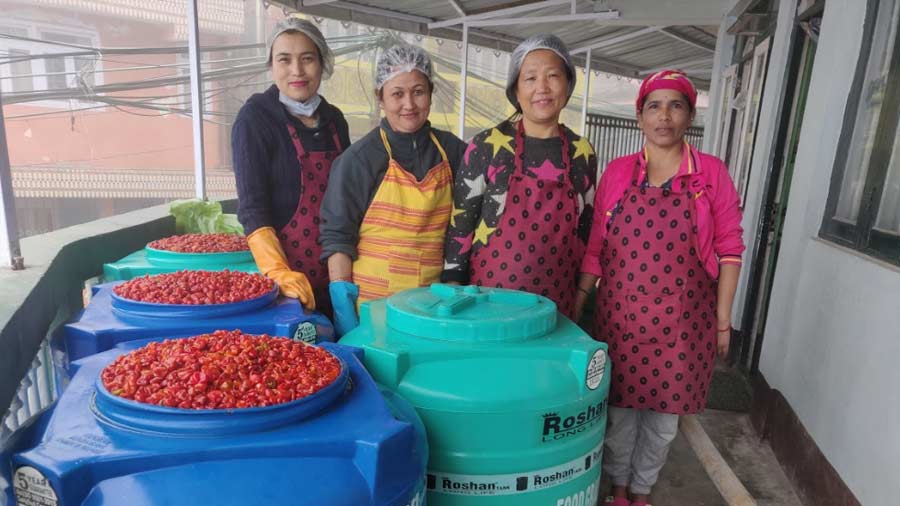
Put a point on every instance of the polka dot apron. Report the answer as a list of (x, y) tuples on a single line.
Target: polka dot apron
[(300, 237), (535, 246), (656, 304)]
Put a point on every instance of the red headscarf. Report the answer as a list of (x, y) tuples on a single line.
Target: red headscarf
[(667, 80)]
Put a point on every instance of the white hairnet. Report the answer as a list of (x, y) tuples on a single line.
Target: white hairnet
[(295, 24), (545, 41), (401, 58)]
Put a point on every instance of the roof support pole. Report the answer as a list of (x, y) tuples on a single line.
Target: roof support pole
[(587, 92), (458, 8), (463, 74), (679, 65), (615, 39), (193, 30), (519, 9), (10, 254), (607, 16)]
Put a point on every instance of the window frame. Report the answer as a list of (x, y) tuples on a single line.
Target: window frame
[(862, 235), (39, 80), (749, 127)]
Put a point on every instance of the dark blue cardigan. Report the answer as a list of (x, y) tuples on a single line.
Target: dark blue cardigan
[(266, 169)]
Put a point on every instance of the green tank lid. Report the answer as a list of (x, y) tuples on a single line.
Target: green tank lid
[(165, 257), (470, 313)]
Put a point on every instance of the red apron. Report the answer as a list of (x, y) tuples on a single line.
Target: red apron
[(535, 246), (656, 304), (300, 237)]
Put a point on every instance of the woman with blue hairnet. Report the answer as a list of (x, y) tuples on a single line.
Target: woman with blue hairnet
[(522, 199), (389, 195), (283, 143)]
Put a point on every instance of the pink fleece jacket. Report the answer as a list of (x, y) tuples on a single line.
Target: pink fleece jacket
[(717, 215)]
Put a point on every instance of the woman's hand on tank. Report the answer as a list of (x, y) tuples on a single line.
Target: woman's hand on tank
[(343, 299), (272, 262), (295, 285)]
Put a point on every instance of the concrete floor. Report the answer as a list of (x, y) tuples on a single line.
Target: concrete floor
[(684, 482)]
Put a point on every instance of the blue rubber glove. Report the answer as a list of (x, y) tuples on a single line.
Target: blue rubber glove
[(343, 301)]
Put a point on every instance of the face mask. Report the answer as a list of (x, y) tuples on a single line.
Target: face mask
[(296, 108)]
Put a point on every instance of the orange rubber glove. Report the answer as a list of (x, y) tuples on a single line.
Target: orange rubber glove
[(272, 262)]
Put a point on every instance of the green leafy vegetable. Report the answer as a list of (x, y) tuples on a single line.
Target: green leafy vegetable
[(204, 217)]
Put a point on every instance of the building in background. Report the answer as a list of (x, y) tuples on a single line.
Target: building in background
[(97, 102)]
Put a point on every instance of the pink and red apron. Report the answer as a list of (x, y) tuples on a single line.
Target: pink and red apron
[(300, 237), (535, 246), (656, 304)]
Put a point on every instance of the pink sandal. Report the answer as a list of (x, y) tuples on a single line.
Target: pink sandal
[(641, 504), (615, 501)]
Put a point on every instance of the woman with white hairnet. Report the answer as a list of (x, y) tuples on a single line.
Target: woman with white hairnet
[(522, 199), (389, 195), (284, 142)]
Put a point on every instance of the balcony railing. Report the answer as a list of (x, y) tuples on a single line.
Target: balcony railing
[(613, 137), (37, 301)]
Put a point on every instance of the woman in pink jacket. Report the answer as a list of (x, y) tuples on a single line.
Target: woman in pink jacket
[(665, 254)]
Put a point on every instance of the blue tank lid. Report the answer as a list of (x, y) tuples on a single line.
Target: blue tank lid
[(470, 313), (109, 321), (132, 308), (212, 422)]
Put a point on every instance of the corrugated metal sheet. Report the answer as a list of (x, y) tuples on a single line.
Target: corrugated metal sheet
[(682, 46)]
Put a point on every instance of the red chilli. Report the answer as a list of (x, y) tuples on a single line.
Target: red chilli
[(202, 243), (222, 370), (196, 287)]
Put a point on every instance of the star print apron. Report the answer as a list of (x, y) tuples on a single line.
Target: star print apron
[(535, 246), (656, 304), (401, 238), (300, 237)]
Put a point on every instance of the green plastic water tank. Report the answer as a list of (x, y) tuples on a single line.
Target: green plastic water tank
[(512, 394), (154, 261)]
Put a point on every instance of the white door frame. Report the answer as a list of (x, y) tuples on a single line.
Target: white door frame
[(726, 110), (741, 170)]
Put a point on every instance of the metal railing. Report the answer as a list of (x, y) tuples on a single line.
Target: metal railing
[(55, 292), (36, 391), (613, 137)]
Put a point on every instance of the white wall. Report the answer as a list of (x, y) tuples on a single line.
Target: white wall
[(832, 341)]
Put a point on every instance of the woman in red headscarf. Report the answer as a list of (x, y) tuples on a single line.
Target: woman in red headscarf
[(665, 254)]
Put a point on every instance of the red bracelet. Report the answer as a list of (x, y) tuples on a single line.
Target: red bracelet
[(723, 330)]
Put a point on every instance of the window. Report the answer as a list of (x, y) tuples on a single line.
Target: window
[(68, 71), (754, 73), (20, 70), (24, 68), (863, 209), (17, 74)]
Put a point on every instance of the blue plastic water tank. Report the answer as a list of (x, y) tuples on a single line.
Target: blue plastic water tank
[(109, 321), (350, 444)]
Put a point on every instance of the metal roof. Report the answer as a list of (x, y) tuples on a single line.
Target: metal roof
[(627, 37)]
